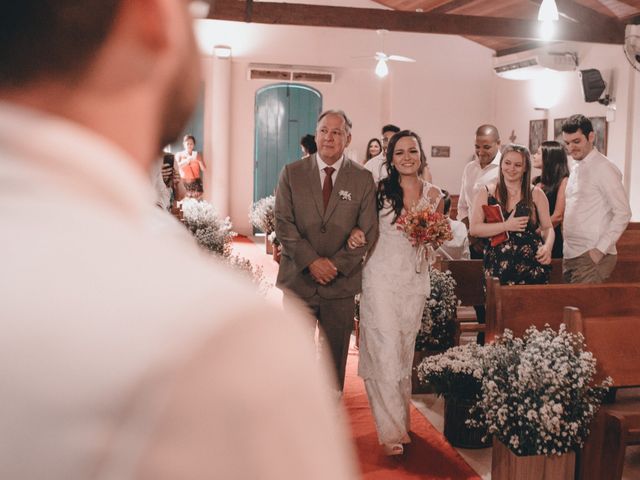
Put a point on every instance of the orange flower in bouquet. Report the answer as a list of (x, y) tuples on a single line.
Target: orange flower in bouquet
[(425, 229)]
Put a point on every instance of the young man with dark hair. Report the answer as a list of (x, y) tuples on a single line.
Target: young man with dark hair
[(376, 164), (597, 207)]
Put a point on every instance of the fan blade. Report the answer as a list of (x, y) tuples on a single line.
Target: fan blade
[(400, 58), (381, 56)]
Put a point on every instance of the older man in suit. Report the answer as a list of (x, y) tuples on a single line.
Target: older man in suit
[(319, 200)]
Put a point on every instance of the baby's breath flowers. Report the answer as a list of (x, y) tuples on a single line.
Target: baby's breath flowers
[(455, 373), (537, 392), (438, 317), (262, 214), (211, 231)]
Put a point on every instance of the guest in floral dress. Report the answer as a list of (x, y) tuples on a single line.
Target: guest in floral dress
[(517, 254)]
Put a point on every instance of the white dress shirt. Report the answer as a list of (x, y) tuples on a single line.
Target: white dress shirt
[(111, 370), (377, 167), (458, 247), (474, 178), (322, 165), (597, 208)]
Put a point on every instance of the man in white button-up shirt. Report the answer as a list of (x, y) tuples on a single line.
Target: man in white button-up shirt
[(482, 170), (597, 209)]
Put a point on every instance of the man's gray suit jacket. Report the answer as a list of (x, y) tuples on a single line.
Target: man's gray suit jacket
[(306, 232)]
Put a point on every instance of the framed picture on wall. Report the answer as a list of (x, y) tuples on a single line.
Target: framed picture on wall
[(537, 134), (599, 127), (557, 129)]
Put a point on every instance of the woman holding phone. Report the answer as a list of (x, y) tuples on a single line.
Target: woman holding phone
[(511, 213)]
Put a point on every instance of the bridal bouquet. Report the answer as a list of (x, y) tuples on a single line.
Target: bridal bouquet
[(425, 229)]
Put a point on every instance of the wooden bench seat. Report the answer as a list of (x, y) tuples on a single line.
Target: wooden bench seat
[(470, 284), (517, 307), (615, 346)]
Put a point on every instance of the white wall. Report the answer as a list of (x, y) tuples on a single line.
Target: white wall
[(444, 96), (516, 101)]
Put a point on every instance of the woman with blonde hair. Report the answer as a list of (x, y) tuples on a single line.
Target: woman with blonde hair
[(511, 214)]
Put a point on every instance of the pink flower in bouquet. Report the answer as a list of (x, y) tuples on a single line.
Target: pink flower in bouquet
[(425, 227)]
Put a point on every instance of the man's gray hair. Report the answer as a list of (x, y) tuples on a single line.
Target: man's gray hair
[(340, 113)]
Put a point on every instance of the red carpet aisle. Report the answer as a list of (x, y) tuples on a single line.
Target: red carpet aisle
[(428, 456)]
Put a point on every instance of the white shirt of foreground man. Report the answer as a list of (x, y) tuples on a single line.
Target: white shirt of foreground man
[(110, 370)]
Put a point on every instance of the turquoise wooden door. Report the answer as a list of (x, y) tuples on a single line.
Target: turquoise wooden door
[(283, 114)]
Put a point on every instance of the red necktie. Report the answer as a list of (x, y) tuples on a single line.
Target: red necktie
[(327, 185)]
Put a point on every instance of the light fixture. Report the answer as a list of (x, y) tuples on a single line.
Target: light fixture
[(547, 29), (548, 14), (548, 11), (222, 51), (382, 70)]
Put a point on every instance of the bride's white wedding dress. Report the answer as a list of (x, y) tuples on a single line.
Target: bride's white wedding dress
[(391, 305)]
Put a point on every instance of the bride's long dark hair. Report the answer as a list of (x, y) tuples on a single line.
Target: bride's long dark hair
[(389, 189)]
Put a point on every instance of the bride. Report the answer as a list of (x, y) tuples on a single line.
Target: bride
[(393, 294)]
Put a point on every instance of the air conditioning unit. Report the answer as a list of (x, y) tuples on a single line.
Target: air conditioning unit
[(528, 65), (289, 73)]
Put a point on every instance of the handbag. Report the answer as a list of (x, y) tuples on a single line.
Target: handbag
[(493, 214)]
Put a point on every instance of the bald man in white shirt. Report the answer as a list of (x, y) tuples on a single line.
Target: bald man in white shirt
[(597, 207)]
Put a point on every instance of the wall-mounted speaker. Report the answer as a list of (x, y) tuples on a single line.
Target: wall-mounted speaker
[(592, 84)]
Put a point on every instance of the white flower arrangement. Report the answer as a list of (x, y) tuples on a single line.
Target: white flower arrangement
[(262, 214), (211, 231), (438, 317), (273, 239), (215, 234), (456, 373), (345, 195), (254, 273), (537, 394)]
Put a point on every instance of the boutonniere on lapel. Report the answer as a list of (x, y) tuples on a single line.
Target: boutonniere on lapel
[(344, 195)]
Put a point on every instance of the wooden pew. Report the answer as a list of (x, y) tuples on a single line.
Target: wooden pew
[(628, 245), (468, 275), (617, 425), (470, 285), (517, 307)]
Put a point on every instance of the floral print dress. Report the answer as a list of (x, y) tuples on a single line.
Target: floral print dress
[(514, 260)]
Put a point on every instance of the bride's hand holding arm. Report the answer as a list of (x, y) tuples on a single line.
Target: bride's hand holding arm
[(543, 255), (356, 239)]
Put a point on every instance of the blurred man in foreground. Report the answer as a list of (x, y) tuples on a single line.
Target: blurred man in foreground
[(102, 377)]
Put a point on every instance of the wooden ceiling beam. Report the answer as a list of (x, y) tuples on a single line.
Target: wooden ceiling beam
[(522, 47), (424, 22), (447, 7)]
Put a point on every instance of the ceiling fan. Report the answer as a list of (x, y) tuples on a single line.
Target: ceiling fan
[(382, 58), (632, 45)]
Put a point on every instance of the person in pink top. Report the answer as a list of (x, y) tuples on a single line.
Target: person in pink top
[(190, 167)]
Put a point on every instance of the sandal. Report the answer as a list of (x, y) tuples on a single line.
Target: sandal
[(391, 449)]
